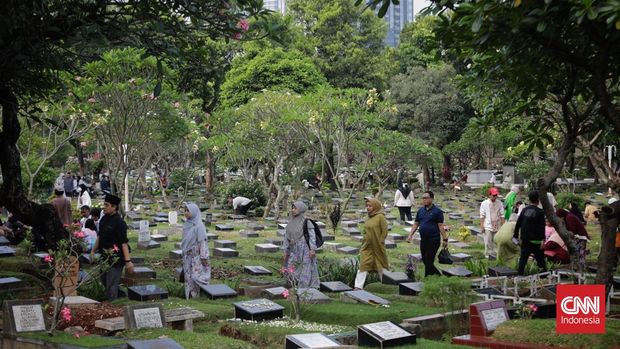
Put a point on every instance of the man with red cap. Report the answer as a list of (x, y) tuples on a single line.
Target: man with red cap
[(491, 218), (112, 238)]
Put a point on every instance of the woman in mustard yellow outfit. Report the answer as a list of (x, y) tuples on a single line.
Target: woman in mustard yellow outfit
[(373, 256)]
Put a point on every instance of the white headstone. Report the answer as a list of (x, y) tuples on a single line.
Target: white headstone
[(148, 317), (173, 217), (494, 317), (28, 318), (144, 234)]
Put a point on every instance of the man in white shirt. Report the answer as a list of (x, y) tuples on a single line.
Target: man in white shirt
[(240, 204), (491, 219)]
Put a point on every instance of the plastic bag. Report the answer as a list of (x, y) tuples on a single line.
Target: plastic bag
[(444, 256)]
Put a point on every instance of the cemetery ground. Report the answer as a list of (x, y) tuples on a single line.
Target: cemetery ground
[(339, 317)]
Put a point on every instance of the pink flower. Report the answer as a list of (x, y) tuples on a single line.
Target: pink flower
[(532, 307), (291, 269), (285, 293), (115, 248), (48, 259), (92, 100), (79, 234), (243, 24), (237, 36), (66, 314)]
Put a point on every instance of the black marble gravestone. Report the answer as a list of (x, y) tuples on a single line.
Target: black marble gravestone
[(501, 271), (457, 271), (334, 286), (394, 277), (225, 243), (146, 293), (6, 251), (258, 310), (410, 288), (164, 343), (225, 252), (365, 297), (312, 295), (218, 291), (256, 270), (383, 335), (223, 227), (248, 234)]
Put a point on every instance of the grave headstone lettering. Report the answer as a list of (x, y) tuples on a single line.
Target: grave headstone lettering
[(23, 316), (410, 288), (484, 317), (144, 316), (383, 335), (258, 310), (309, 340)]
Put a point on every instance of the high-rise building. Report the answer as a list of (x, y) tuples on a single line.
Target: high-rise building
[(396, 18), (275, 5)]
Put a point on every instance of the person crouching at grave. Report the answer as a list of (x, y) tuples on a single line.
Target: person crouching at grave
[(491, 218), (555, 249), (373, 255), (241, 205), (507, 251), (531, 226), (299, 253), (432, 232), (196, 265), (112, 237), (574, 225)]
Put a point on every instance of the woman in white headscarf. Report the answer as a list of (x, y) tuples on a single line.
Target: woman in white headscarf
[(299, 254), (196, 266)]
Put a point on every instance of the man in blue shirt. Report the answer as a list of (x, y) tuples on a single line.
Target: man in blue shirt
[(430, 221)]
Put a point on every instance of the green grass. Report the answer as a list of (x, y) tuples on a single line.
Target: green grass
[(428, 344), (84, 341), (201, 338), (543, 332)]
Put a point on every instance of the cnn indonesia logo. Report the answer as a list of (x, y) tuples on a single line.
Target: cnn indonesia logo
[(580, 309)]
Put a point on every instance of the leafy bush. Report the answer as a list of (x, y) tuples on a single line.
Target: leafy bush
[(449, 293), (479, 267), (531, 170), (564, 199), (343, 270), (175, 289), (93, 290), (181, 177), (251, 190)]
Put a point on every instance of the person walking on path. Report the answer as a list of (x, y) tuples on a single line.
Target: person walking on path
[(68, 184), (299, 254), (531, 228), (429, 219), (510, 200), (403, 199), (373, 255), (196, 266), (491, 218), (62, 206), (112, 236)]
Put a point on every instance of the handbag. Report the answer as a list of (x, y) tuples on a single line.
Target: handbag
[(444, 256)]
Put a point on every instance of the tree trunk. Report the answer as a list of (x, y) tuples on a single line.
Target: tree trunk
[(79, 152), (42, 218), (447, 169), (209, 174), (329, 168), (275, 186), (610, 219)]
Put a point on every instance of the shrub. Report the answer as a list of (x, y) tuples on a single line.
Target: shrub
[(479, 267), (181, 177), (344, 270), (93, 290), (175, 289), (251, 190), (450, 293), (564, 199)]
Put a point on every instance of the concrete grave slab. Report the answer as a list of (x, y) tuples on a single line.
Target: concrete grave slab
[(258, 310), (256, 270), (348, 250), (364, 297), (457, 271), (225, 244), (410, 288), (224, 227), (248, 234), (219, 291), (266, 248), (312, 295), (394, 277), (225, 252), (334, 286)]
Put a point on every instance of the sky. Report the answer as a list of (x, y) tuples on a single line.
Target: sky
[(418, 5)]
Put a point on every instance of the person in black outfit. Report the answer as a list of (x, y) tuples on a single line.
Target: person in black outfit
[(531, 224), (432, 232), (112, 237)]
